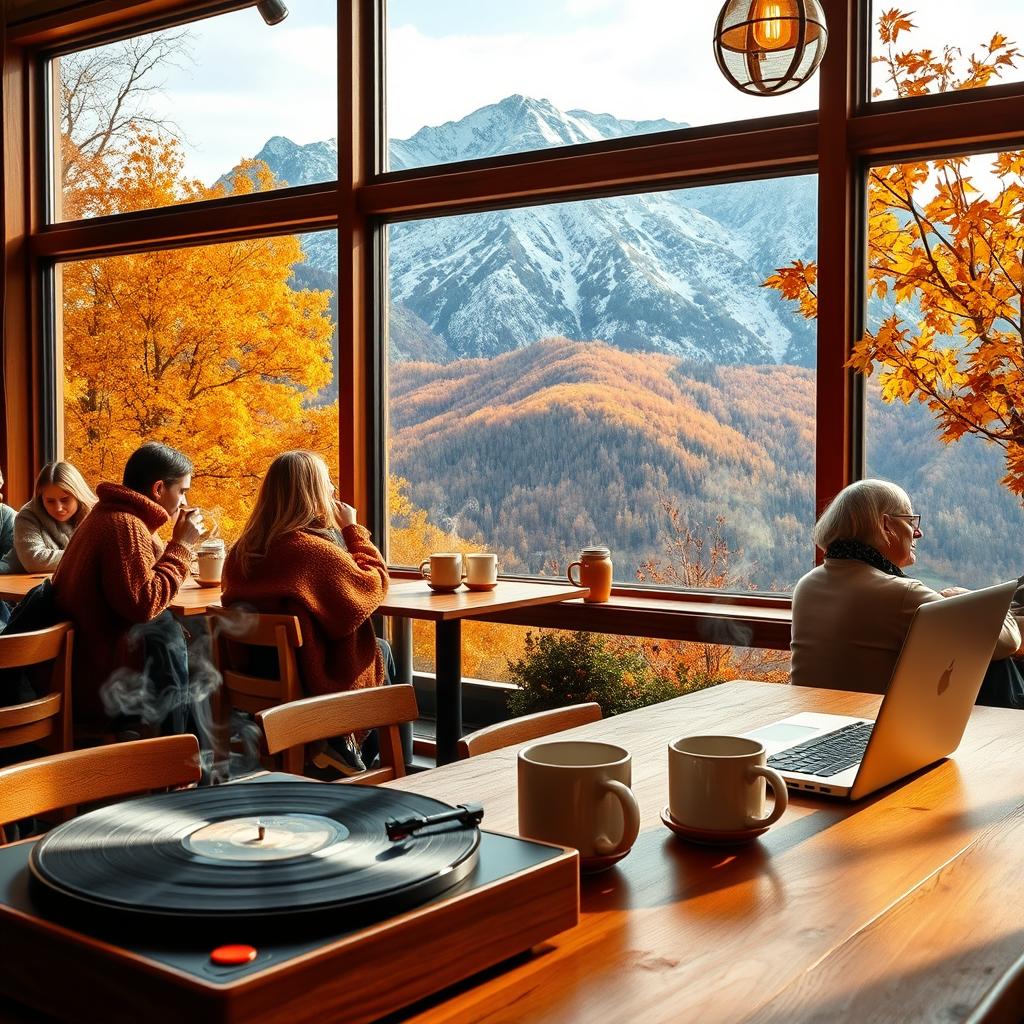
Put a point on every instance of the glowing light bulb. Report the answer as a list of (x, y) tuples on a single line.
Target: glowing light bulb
[(772, 26)]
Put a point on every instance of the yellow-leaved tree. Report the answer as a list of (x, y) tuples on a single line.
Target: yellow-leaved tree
[(954, 252), (210, 349)]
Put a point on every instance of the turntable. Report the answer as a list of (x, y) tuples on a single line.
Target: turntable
[(268, 901)]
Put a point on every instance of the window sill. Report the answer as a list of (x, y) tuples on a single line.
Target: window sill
[(740, 620)]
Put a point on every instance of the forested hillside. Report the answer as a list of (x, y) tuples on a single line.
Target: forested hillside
[(563, 444)]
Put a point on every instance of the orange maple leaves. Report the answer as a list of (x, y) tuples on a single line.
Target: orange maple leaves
[(950, 254)]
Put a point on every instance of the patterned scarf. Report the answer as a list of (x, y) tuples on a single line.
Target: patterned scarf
[(863, 553)]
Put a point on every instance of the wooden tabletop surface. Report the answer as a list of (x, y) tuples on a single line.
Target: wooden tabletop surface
[(414, 599), (191, 599), (905, 906)]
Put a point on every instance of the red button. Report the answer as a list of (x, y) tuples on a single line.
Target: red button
[(232, 956)]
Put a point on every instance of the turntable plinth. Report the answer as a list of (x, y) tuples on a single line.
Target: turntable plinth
[(79, 966)]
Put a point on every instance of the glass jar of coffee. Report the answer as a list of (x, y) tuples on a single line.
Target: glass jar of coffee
[(595, 566)]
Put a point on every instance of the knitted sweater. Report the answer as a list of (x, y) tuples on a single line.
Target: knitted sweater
[(6, 535), (109, 579), (332, 590), (39, 540)]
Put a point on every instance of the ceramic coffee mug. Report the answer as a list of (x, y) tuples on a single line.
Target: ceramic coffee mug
[(718, 783), (576, 793), (210, 562), (443, 571), (481, 571)]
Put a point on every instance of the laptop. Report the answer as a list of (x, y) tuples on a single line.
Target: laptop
[(922, 716)]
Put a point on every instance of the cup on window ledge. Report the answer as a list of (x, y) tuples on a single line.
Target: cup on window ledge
[(595, 566), (481, 570), (443, 571)]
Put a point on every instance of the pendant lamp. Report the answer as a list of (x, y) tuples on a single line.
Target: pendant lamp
[(767, 47)]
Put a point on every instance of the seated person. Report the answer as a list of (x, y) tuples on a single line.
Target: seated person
[(43, 527), (302, 553), (852, 613), (116, 579)]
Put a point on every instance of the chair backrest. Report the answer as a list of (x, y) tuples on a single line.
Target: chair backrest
[(235, 628), (47, 718), (384, 708), (99, 773), (529, 727)]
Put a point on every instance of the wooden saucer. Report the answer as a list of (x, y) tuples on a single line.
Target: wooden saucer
[(481, 586), (710, 836), (591, 865), (439, 588)]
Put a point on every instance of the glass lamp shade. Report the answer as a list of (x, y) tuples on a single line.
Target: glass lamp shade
[(767, 47)]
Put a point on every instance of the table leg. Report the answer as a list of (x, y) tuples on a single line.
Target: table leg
[(401, 648), (448, 673)]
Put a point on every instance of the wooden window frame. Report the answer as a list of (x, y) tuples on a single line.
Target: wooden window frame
[(837, 141)]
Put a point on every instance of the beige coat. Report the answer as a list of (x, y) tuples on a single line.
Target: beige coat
[(850, 621)]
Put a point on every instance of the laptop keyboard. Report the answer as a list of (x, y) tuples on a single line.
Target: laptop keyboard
[(828, 754)]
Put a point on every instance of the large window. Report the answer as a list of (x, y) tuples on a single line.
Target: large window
[(224, 351), (575, 351), (467, 80), (611, 372), (222, 106)]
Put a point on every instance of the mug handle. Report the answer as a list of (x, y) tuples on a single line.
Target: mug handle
[(779, 791), (424, 571), (568, 572), (603, 846)]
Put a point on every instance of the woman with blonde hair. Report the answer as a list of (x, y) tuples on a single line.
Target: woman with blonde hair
[(43, 527), (302, 553), (851, 614)]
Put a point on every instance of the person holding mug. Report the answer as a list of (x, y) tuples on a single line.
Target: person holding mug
[(302, 553), (115, 580)]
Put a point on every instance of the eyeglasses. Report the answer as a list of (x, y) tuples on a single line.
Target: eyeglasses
[(914, 519)]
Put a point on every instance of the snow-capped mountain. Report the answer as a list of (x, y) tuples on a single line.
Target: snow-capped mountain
[(676, 272), (517, 124)]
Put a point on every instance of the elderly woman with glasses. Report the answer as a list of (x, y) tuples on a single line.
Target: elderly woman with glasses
[(852, 613)]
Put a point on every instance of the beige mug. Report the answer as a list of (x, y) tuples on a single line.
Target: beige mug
[(577, 793), (210, 562), (481, 570), (443, 571), (718, 783)]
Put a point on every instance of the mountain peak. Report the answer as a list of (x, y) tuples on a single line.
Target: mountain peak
[(515, 124)]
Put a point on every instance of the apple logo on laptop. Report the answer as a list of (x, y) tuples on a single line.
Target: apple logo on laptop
[(944, 678)]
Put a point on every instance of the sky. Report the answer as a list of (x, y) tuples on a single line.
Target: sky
[(244, 81)]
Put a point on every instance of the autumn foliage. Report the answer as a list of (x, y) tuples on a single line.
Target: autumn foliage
[(948, 250), (209, 349)]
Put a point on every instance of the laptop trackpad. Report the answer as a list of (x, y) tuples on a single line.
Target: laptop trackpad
[(783, 734)]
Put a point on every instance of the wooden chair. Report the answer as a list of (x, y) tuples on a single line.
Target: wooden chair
[(288, 727), (99, 773), (48, 718), (249, 693), (529, 727)]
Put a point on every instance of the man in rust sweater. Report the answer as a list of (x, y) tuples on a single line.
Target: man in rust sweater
[(116, 579)]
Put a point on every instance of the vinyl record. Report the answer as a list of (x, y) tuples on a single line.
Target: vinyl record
[(259, 849)]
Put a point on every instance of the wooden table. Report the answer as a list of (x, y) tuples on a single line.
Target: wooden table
[(191, 599), (906, 906), (415, 600)]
